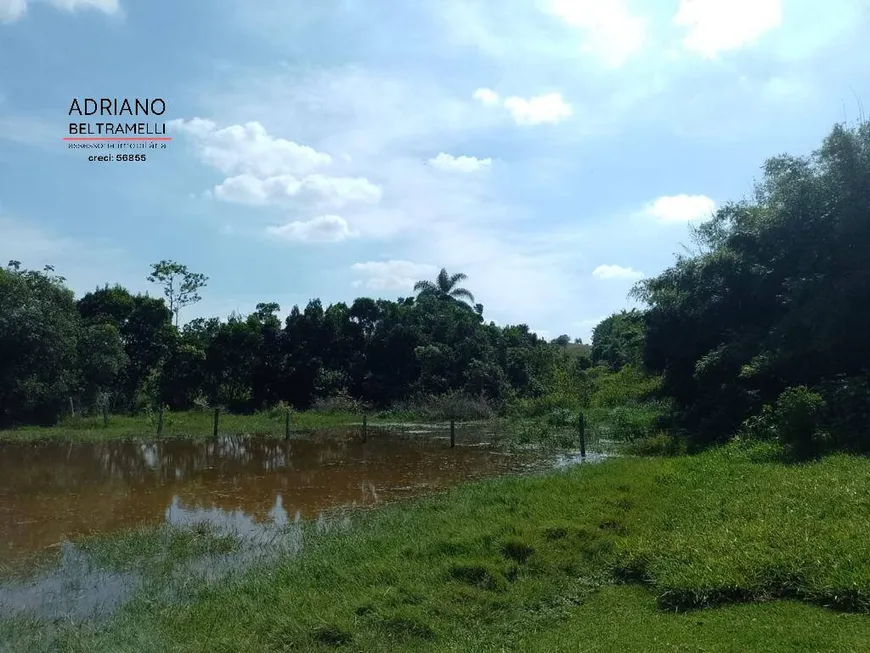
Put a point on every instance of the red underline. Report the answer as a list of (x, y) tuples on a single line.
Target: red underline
[(106, 138)]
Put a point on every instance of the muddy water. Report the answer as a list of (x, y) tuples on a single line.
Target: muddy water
[(52, 493)]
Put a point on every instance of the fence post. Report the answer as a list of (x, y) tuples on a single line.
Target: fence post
[(582, 428), (105, 416), (364, 427), (217, 414), (160, 421), (287, 425), (72, 410), (452, 434)]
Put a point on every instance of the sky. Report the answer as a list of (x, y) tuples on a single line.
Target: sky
[(555, 151)]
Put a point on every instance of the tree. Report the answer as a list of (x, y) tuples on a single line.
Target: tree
[(145, 327), (778, 296), (39, 333), (562, 341), (445, 287), (617, 340), (180, 286)]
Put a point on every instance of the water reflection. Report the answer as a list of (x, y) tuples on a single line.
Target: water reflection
[(50, 493), (256, 489)]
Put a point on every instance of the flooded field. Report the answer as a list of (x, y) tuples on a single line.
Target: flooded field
[(255, 488)]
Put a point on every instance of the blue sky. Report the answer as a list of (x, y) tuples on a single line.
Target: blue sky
[(553, 150)]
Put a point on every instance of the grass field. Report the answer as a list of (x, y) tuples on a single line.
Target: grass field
[(188, 424), (726, 551)]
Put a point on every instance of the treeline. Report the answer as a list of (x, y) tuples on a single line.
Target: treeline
[(122, 350), (765, 329)]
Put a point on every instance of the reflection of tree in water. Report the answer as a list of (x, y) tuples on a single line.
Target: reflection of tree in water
[(57, 491), (369, 492)]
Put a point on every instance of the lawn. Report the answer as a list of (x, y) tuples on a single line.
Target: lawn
[(726, 551)]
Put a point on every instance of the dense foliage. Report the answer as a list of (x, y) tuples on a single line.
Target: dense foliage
[(122, 349), (777, 297)]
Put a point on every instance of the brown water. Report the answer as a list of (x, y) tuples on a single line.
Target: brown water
[(55, 492)]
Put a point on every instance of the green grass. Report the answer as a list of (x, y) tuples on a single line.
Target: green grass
[(188, 424), (727, 551)]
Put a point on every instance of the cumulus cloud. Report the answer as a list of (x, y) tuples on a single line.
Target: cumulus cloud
[(270, 171), (548, 108), (391, 275), (486, 96), (672, 209), (249, 149), (611, 30), (314, 189), (322, 229), (616, 272), (715, 26), (448, 162)]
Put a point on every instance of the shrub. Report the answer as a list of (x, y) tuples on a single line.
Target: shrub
[(458, 406), (660, 444), (338, 402), (848, 411), (798, 416), (629, 385)]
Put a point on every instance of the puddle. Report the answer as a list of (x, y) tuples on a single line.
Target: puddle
[(258, 490)]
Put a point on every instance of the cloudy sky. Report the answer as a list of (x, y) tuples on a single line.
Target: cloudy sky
[(553, 150)]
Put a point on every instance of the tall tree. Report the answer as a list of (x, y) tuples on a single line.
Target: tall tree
[(778, 297), (39, 333), (617, 340), (445, 287), (180, 285)]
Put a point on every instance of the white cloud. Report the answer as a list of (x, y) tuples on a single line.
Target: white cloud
[(268, 171), (391, 275), (487, 96), (13, 10), (249, 149), (448, 162), (322, 229), (464, 222), (716, 26), (612, 31), (616, 272), (549, 108), (319, 190), (672, 209)]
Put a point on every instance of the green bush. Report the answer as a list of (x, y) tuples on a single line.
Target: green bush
[(798, 414), (338, 402), (629, 385), (848, 411), (659, 444)]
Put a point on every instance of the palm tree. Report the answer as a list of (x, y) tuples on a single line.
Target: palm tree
[(445, 287)]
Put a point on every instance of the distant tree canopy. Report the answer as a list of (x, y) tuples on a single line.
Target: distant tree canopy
[(617, 341), (778, 296), (111, 343)]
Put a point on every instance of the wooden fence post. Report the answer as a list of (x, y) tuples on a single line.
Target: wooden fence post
[(217, 414), (582, 428), (72, 410), (287, 425), (452, 434), (160, 421), (365, 428), (105, 416)]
